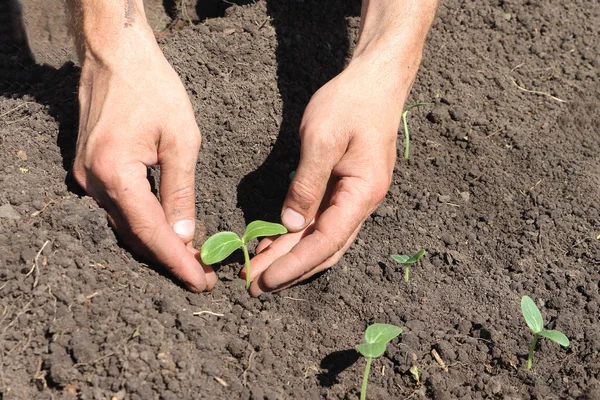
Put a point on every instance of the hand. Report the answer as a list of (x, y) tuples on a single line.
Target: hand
[(134, 112), (348, 151)]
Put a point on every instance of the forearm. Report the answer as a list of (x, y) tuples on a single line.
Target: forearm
[(103, 28), (395, 27), (391, 40)]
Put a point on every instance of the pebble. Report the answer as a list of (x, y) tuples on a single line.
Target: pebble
[(466, 196), (8, 212)]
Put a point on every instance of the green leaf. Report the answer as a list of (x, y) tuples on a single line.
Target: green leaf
[(262, 228), (416, 257), (556, 336), (371, 349), (532, 314), (381, 333), (400, 258), (219, 246), (403, 259)]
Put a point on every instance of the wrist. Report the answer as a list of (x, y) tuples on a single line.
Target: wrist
[(392, 37), (110, 29), (395, 25)]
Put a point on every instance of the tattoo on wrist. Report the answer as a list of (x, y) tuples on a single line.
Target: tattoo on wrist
[(129, 13)]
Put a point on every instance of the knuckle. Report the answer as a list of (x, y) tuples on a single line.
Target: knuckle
[(337, 244), (379, 192), (317, 138), (145, 236), (102, 167), (303, 194), (181, 198), (193, 139), (80, 175)]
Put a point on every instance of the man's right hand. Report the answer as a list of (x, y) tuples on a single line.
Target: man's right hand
[(134, 113)]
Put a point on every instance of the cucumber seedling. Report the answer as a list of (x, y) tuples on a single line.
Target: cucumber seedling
[(377, 336), (535, 322), (405, 123), (407, 260), (220, 245)]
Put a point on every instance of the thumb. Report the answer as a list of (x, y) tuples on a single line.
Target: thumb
[(177, 181), (306, 189)]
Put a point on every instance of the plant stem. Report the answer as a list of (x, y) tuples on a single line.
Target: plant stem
[(247, 259), (406, 273), (406, 135), (531, 349), (363, 390)]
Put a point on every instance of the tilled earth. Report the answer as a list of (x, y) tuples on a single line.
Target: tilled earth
[(502, 189)]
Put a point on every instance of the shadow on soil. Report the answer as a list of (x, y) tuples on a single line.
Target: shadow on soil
[(306, 60), (43, 84), (335, 363)]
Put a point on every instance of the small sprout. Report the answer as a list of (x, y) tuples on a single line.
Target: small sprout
[(406, 260), (406, 134), (377, 336), (136, 333), (220, 245), (535, 322), (414, 371)]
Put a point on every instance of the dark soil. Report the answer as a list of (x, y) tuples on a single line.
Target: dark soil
[(502, 189)]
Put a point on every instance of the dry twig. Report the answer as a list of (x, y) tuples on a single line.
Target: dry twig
[(538, 92), (439, 360), (208, 312), (35, 269)]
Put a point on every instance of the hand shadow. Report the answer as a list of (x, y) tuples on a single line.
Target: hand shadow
[(312, 48), (21, 77)]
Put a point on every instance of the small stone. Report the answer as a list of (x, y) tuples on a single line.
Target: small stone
[(444, 198), (384, 211), (22, 155), (466, 196), (8, 212), (448, 239), (457, 114)]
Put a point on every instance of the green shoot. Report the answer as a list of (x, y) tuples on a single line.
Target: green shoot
[(220, 245), (535, 322), (406, 134), (407, 261), (377, 336)]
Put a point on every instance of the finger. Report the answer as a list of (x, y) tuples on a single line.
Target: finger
[(276, 249), (264, 243), (141, 212), (256, 291), (209, 273), (308, 186), (177, 180), (349, 207)]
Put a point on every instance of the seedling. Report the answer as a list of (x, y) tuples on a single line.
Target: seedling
[(406, 134), (220, 245), (377, 336), (535, 322), (414, 371), (407, 261)]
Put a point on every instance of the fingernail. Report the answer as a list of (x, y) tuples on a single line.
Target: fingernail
[(292, 219), (184, 228)]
